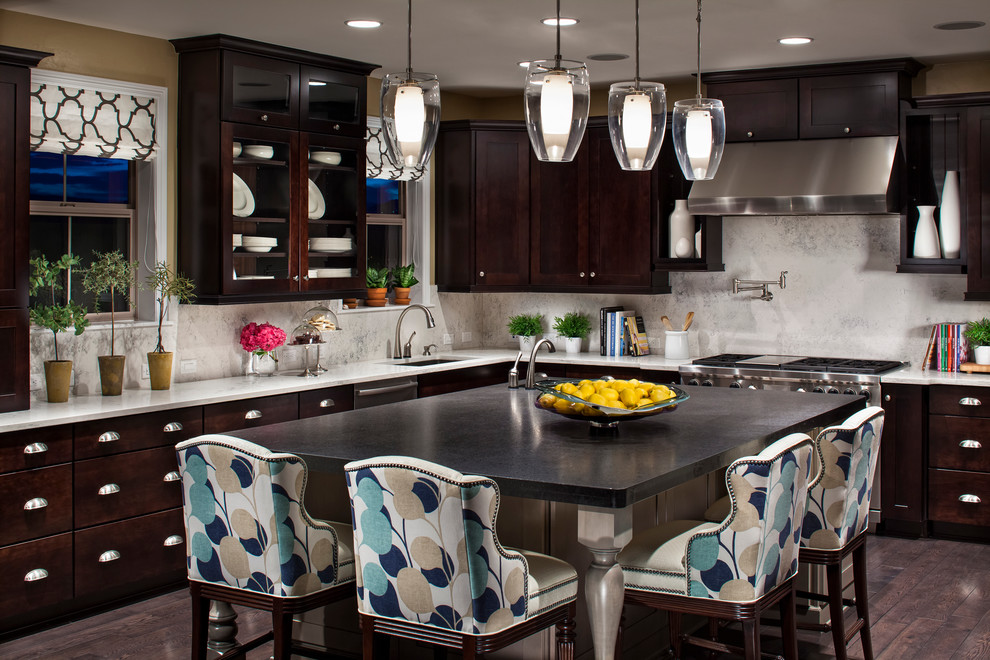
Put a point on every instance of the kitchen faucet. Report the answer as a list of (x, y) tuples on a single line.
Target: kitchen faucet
[(531, 371), (430, 323)]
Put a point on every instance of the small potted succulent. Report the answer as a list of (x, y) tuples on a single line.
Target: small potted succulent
[(167, 285), (110, 274), (574, 327), (978, 334), (377, 281), (56, 316), (527, 327), (405, 279)]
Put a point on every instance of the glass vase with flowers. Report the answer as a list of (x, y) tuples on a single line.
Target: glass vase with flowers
[(261, 340)]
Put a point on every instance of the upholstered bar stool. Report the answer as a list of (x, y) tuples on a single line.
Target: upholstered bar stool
[(250, 541), (430, 567), (737, 568)]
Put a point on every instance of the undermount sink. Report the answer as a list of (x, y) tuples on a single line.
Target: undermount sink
[(422, 362)]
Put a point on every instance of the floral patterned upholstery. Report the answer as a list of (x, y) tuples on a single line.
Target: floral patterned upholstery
[(246, 525), (427, 550), (746, 555), (839, 499)]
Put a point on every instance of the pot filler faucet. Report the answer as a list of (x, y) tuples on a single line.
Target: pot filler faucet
[(430, 323), (531, 371)]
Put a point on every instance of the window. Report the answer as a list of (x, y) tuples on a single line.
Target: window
[(386, 223)]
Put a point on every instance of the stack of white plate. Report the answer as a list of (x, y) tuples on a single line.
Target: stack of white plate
[(258, 243), (331, 245), (333, 272), (237, 240)]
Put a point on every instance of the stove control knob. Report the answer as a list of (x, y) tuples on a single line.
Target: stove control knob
[(819, 390), (694, 381), (865, 394), (707, 383), (849, 391), (832, 390), (736, 384)]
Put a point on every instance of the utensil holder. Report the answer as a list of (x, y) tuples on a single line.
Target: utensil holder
[(676, 345)]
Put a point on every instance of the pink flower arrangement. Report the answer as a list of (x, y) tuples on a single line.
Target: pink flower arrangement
[(262, 339)]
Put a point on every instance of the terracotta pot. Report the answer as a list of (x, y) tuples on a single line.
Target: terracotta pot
[(58, 373), (402, 295), (111, 374), (160, 370), (376, 298)]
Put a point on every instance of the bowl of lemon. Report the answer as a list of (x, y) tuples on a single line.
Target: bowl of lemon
[(606, 401)]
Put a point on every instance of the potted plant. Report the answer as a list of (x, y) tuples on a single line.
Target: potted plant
[(978, 334), (167, 285), (527, 327), (405, 279), (574, 327), (377, 281), (57, 317), (110, 273)]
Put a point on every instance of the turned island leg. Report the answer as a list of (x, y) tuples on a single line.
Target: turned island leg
[(604, 532)]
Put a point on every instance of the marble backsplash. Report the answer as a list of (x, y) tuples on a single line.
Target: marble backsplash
[(843, 298)]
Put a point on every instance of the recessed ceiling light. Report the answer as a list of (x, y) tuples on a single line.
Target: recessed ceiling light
[(960, 25), (794, 41), (564, 22), (608, 57), (364, 24)]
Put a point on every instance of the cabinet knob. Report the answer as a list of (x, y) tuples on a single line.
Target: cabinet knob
[(970, 444), (252, 414), (305, 278), (749, 133), (35, 503), (263, 117), (581, 274), (481, 273), (966, 498), (171, 476), (109, 555), (970, 401), (174, 539), (847, 130), (336, 127), (108, 489), (886, 397), (326, 403), (36, 448), (172, 427), (295, 278), (35, 575), (109, 436), (592, 273)]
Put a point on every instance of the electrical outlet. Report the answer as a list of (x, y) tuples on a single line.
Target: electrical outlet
[(145, 373), (187, 367), (466, 336), (37, 381), (448, 339)]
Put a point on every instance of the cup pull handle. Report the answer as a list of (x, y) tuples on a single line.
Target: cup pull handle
[(36, 448), (35, 575), (970, 444), (326, 403), (171, 476), (172, 427), (970, 401), (109, 436), (252, 414), (108, 489), (108, 556), (970, 499), (35, 503), (174, 539)]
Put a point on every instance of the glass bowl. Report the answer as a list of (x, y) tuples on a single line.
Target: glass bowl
[(321, 318), (573, 406), (305, 334)]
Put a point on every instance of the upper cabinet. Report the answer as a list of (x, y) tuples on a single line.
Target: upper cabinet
[(855, 99), (271, 161)]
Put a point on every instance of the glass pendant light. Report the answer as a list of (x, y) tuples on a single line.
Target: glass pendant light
[(410, 112), (637, 118), (698, 129), (557, 96)]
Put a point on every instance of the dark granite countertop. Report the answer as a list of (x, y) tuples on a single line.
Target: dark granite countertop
[(498, 432)]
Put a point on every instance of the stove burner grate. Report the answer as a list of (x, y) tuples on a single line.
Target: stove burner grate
[(723, 359)]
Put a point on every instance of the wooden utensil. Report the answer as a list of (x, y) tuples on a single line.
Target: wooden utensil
[(689, 320), (666, 323)]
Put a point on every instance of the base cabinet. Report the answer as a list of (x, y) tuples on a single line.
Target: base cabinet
[(902, 467)]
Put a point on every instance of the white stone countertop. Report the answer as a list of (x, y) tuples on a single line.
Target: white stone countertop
[(203, 392), (914, 375)]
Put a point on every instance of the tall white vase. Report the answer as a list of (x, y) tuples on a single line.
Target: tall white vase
[(926, 235), (948, 221), (681, 231)]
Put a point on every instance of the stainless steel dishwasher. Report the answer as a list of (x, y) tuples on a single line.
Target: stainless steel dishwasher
[(379, 392)]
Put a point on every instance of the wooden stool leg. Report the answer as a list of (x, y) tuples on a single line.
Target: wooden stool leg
[(200, 623), (368, 646), (751, 638), (862, 602), (833, 573), (281, 631), (439, 653), (788, 622), (566, 636), (674, 623)]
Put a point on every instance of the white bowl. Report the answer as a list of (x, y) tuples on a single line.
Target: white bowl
[(325, 157), (259, 150), (258, 240), (257, 248), (237, 149)]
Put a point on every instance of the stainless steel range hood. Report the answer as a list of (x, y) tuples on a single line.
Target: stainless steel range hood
[(847, 176)]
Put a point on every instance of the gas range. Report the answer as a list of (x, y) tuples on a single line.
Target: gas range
[(790, 372)]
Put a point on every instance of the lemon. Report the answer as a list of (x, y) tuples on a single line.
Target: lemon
[(585, 383), (609, 394), (586, 389), (546, 400), (568, 388), (597, 399), (562, 406), (629, 396), (642, 403)]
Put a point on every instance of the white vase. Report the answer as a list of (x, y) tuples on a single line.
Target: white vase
[(926, 235), (981, 354), (526, 343), (572, 344), (948, 220), (681, 231)]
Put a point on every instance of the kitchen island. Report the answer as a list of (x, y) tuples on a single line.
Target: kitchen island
[(533, 453)]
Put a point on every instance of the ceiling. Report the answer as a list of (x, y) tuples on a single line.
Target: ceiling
[(474, 45)]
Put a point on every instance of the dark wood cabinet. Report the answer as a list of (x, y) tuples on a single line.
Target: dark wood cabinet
[(247, 413), (758, 109), (271, 149), (902, 460), (326, 401), (976, 197), (442, 382)]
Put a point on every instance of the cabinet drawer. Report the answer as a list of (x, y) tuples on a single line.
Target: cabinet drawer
[(313, 403), (141, 552), (249, 413), (35, 503), (34, 448), (961, 497), (959, 400), (133, 484), (35, 574), (119, 434), (960, 443)]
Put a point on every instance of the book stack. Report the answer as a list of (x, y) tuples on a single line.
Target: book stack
[(947, 347), (623, 332)]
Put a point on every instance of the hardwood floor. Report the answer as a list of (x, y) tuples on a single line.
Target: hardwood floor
[(929, 600)]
